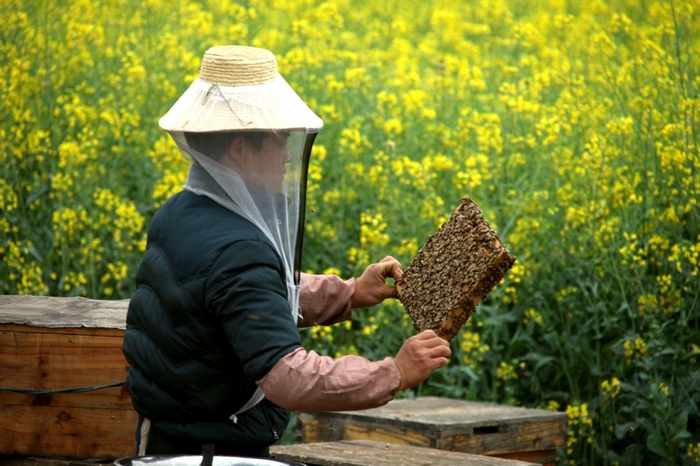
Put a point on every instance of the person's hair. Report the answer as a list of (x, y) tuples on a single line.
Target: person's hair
[(216, 144)]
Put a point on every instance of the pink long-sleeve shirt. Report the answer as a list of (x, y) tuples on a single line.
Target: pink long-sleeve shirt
[(306, 381)]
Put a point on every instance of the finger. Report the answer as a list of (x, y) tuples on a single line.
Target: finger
[(439, 352), (391, 268), (430, 341), (393, 292), (443, 362), (396, 271), (426, 335)]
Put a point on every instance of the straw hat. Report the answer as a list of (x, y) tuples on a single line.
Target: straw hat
[(239, 88)]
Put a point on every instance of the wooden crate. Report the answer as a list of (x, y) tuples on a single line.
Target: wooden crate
[(42, 461), (446, 424), (371, 453), (58, 343)]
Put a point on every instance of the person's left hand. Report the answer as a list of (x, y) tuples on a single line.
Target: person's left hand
[(371, 287)]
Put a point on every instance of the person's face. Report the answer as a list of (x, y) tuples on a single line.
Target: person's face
[(264, 168)]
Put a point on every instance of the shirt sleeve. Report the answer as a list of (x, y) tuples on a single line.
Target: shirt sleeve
[(323, 384), (325, 299)]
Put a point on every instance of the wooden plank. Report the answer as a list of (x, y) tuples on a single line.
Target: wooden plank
[(67, 432), (64, 343), (38, 461), (106, 398), (56, 312), (319, 428), (447, 424), (506, 438), (48, 361), (492, 445), (448, 412), (372, 453), (104, 332)]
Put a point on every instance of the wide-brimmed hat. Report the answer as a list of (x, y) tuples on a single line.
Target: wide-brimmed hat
[(239, 88)]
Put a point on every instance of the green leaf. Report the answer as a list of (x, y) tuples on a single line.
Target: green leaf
[(622, 429), (656, 444), (680, 424)]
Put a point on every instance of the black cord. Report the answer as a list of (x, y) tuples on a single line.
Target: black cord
[(40, 391)]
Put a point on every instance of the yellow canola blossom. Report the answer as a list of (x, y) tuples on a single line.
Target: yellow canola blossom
[(572, 124)]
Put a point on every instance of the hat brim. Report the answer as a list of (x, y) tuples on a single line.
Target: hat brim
[(206, 107)]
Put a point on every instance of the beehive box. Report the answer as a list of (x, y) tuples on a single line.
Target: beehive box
[(59, 343), (371, 453), (446, 424)]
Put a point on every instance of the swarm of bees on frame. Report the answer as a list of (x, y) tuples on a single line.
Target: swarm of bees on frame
[(455, 269)]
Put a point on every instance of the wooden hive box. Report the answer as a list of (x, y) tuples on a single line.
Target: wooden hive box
[(59, 343), (371, 453), (478, 428)]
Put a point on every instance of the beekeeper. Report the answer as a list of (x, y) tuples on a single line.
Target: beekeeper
[(212, 341)]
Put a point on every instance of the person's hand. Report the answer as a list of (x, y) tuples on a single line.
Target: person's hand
[(419, 356), (371, 287)]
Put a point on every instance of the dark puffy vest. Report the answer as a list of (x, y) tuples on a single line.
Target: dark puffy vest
[(209, 317)]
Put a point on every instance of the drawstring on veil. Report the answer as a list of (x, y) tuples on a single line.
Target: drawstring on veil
[(228, 104)]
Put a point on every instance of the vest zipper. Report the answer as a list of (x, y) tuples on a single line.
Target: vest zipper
[(274, 432)]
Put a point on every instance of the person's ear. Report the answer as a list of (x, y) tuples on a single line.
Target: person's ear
[(235, 149)]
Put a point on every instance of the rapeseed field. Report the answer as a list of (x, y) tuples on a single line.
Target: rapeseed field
[(573, 124)]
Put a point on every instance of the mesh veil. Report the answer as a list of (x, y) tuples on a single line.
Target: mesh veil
[(278, 213)]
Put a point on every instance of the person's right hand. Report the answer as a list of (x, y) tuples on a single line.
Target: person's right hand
[(419, 356)]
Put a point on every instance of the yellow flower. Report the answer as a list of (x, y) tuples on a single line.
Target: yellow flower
[(393, 126), (553, 405), (634, 349), (693, 452), (8, 197), (473, 349), (532, 315), (611, 387), (319, 153), (505, 372)]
